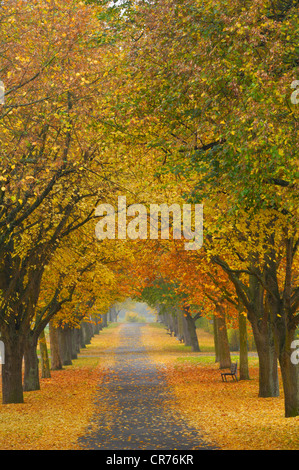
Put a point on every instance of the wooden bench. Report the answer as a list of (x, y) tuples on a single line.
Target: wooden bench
[(180, 339), (169, 331), (232, 373)]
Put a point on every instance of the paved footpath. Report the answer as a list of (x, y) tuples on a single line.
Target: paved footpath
[(135, 398)]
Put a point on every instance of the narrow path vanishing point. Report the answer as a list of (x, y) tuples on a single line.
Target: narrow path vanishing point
[(135, 397)]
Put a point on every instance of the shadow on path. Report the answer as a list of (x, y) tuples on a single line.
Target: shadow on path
[(136, 414)]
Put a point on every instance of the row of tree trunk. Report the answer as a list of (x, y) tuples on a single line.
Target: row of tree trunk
[(182, 325), (65, 344)]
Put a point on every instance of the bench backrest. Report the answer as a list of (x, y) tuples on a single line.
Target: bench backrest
[(234, 367)]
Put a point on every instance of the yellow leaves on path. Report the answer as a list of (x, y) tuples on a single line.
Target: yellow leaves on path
[(231, 415)]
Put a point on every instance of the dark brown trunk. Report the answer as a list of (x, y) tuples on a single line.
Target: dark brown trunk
[(180, 324), (268, 367), (289, 366), (191, 328), (263, 333), (75, 342), (223, 344), (97, 328), (288, 358), (215, 339), (86, 332), (56, 363), (81, 334), (45, 364), (65, 345), (31, 372), (104, 320), (244, 370), (282, 315), (12, 385), (187, 336)]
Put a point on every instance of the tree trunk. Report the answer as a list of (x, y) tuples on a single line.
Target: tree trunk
[(223, 344), (284, 336), (290, 378), (97, 328), (187, 336), (175, 324), (75, 342), (282, 315), (82, 339), (65, 345), (78, 340), (86, 332), (268, 370), (263, 332), (104, 320), (12, 385), (180, 324), (45, 364), (215, 330), (56, 363), (31, 372), (172, 323), (244, 370), (190, 322)]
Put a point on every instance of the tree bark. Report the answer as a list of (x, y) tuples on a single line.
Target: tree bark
[(283, 316), (244, 370), (45, 364), (179, 315), (215, 330), (56, 363), (290, 378), (86, 332), (75, 342), (104, 320), (252, 297), (175, 324), (31, 372), (12, 385), (65, 345), (223, 344), (268, 367), (82, 339), (97, 328), (187, 336), (191, 328)]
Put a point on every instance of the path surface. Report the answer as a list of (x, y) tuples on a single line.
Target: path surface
[(135, 398)]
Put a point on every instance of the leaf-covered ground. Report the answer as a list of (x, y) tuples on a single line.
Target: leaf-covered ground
[(53, 417), (230, 414)]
